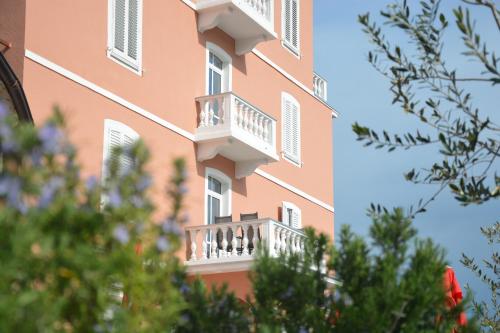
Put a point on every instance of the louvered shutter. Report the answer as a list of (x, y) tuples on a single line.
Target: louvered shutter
[(294, 129), (296, 218), (119, 25), (291, 215), (291, 34), (287, 125), (125, 35), (127, 162), (133, 28), (294, 21), (118, 135), (291, 128), (287, 22)]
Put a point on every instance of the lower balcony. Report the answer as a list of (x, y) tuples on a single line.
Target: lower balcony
[(231, 247), (230, 126)]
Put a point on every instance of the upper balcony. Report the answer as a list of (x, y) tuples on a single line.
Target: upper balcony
[(320, 87), (249, 22), (230, 247), (232, 127)]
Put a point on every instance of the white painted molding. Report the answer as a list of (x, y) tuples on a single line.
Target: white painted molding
[(294, 190), (162, 122), (106, 93), (190, 4)]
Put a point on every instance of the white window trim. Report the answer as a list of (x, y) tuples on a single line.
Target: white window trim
[(227, 82), (133, 65), (226, 184), (288, 46), (295, 160), (284, 214), (113, 124)]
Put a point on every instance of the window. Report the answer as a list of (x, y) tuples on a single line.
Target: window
[(290, 25), (290, 111), (218, 195), (218, 70), (291, 215), (117, 135), (125, 32)]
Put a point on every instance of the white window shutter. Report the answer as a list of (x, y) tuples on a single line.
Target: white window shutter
[(291, 215), (291, 128), (295, 131), (287, 24), (133, 28), (125, 31), (119, 24), (296, 218), (287, 126), (117, 135), (294, 19), (290, 24)]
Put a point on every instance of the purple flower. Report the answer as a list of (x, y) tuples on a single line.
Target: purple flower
[(11, 188), (171, 227), (120, 233), (3, 111), (162, 244), (303, 330), (183, 189), (143, 183), (115, 199), (51, 137), (49, 190), (91, 183), (137, 201), (36, 157), (9, 145), (184, 289)]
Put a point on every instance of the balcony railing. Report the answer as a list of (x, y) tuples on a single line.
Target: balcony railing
[(320, 87), (249, 22), (232, 127), (231, 246)]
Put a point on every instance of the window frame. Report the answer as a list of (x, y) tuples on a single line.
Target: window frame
[(225, 195), (285, 206), (295, 50), (227, 67), (110, 124), (134, 65), (288, 156)]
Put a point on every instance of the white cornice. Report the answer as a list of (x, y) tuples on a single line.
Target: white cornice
[(162, 122)]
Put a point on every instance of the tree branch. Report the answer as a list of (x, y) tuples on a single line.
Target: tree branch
[(491, 6)]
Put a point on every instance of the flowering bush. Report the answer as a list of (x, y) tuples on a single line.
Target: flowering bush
[(86, 256), (68, 257)]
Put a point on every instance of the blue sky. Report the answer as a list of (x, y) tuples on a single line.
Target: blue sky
[(364, 175)]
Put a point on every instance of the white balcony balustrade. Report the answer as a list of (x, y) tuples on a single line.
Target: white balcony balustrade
[(320, 87), (249, 22), (232, 127), (229, 247)]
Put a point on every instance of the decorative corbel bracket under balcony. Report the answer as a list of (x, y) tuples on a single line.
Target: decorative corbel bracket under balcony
[(249, 22), (235, 129)]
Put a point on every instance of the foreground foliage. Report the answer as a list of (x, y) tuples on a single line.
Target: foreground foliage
[(87, 256), (424, 86)]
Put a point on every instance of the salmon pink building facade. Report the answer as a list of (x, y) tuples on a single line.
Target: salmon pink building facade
[(227, 84)]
